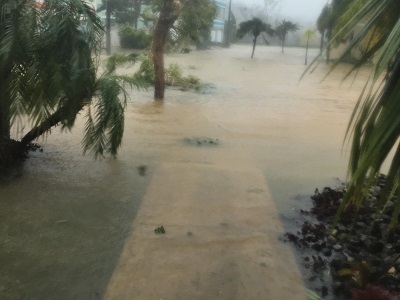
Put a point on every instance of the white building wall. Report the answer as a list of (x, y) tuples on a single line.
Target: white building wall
[(217, 32)]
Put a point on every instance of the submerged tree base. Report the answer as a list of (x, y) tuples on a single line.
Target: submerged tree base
[(358, 254), (12, 151)]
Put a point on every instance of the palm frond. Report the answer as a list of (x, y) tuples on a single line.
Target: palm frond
[(311, 295), (254, 27), (105, 119), (118, 60), (374, 127)]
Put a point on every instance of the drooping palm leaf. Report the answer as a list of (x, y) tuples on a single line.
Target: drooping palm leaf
[(374, 126)]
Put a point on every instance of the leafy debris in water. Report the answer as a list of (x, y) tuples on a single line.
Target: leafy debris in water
[(142, 169), (201, 141), (159, 230), (357, 257)]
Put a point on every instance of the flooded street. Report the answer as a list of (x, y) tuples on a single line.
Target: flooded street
[(262, 114), (65, 217)]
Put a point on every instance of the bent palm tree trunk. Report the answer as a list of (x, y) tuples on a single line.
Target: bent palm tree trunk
[(46, 125), (11, 150)]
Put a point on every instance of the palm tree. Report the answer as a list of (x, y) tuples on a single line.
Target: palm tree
[(374, 128), (254, 27), (48, 67), (283, 29), (327, 21), (308, 35), (169, 13), (322, 25)]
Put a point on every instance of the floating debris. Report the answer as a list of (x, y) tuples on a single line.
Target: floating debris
[(201, 141), (142, 170), (159, 230)]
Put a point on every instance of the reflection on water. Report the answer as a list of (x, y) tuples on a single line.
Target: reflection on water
[(64, 216)]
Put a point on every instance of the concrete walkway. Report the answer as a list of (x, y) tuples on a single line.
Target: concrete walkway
[(221, 239)]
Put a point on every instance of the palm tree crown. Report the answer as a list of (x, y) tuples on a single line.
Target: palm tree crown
[(254, 27), (283, 29), (48, 74)]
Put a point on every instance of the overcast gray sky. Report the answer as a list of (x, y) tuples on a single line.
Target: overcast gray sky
[(308, 10), (294, 10)]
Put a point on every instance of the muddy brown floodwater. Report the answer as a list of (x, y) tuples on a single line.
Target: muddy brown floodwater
[(65, 217)]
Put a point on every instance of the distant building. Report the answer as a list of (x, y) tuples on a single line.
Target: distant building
[(218, 30)]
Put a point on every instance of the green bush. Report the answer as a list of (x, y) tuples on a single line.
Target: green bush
[(146, 71), (132, 38), (192, 82), (173, 75)]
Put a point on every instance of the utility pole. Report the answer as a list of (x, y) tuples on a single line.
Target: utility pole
[(228, 30)]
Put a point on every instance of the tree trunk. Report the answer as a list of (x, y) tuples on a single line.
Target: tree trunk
[(137, 6), (321, 46), (200, 45), (10, 151), (51, 121), (228, 29), (4, 122), (5, 117), (108, 27), (328, 47), (47, 124), (308, 41), (283, 44), (5, 101), (168, 15), (254, 46)]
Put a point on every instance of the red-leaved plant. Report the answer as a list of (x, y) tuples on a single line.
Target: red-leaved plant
[(373, 292)]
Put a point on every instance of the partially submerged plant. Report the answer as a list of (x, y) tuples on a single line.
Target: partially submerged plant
[(173, 75), (159, 230)]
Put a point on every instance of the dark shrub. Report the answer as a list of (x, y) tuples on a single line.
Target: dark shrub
[(132, 38)]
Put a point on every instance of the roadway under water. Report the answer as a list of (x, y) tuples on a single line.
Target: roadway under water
[(64, 216)]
